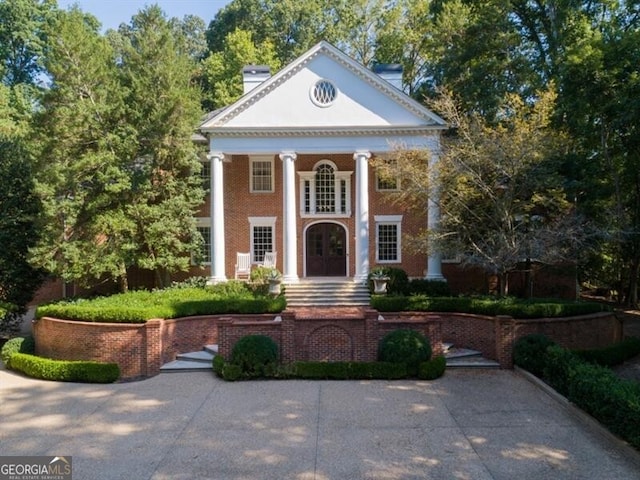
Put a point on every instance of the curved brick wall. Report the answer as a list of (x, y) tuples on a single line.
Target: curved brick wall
[(141, 349)]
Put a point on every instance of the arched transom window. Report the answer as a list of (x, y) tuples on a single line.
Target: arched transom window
[(325, 191)]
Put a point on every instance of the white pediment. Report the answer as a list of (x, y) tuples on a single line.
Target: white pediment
[(287, 102)]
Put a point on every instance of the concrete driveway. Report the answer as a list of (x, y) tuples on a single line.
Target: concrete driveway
[(184, 426)]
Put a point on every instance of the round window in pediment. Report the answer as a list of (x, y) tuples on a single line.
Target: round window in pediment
[(324, 93)]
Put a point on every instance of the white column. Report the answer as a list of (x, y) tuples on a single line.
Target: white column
[(434, 260), (217, 219), (290, 243), (362, 215)]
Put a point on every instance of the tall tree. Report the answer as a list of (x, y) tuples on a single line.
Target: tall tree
[(223, 69), (500, 196), (162, 101), (80, 178), (23, 39), (601, 88)]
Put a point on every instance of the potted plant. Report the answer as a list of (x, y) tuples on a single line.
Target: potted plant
[(275, 279), (380, 280)]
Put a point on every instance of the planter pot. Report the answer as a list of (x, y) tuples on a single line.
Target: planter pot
[(380, 284), (274, 287)]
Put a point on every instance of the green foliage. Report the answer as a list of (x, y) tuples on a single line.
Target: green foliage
[(255, 355), (558, 369), (349, 370), (217, 364), (16, 345), (398, 283), (231, 372), (614, 354), (405, 346), (612, 401), (530, 353), (65, 370), (142, 305), (597, 390), (517, 308), (20, 209), (432, 369), (430, 288)]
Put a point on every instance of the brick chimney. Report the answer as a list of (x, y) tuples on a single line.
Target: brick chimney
[(254, 75), (391, 72)]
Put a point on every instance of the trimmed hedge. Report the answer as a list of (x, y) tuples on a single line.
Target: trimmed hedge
[(529, 352), (429, 370), (613, 355), (430, 288), (614, 402), (17, 345), (432, 369), (515, 308), (65, 370), (183, 301)]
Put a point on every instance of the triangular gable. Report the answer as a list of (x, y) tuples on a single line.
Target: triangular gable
[(287, 100)]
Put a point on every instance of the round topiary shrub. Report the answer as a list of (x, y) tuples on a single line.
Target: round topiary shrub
[(530, 353), (405, 346), (255, 355)]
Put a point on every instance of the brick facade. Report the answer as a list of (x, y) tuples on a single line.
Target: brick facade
[(141, 349)]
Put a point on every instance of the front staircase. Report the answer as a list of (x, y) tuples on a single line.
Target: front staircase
[(466, 358), (326, 293)]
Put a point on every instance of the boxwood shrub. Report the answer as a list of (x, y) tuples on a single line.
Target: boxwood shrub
[(256, 355), (65, 370), (530, 353), (517, 308), (17, 345), (405, 346), (140, 306), (433, 368), (613, 355)]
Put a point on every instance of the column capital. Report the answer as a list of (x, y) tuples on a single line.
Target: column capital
[(362, 153), (213, 155), (288, 154)]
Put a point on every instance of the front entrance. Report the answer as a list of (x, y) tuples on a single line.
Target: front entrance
[(326, 250)]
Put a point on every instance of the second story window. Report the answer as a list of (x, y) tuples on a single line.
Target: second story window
[(261, 174), (325, 191)]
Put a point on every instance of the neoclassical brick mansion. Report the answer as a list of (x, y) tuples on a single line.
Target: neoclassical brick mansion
[(289, 171)]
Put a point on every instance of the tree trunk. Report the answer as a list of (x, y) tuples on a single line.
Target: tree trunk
[(503, 279), (632, 292)]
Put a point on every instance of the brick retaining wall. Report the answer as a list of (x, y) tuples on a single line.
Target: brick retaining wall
[(141, 349)]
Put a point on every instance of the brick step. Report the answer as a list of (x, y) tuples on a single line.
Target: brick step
[(192, 361), (327, 293), (466, 358)]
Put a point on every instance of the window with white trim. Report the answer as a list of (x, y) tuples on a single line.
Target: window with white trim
[(388, 238), (325, 191), (261, 174), (263, 237), (204, 229)]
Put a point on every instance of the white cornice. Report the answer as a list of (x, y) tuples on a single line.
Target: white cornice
[(323, 131)]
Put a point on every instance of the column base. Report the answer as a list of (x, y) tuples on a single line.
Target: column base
[(291, 279), (438, 277)]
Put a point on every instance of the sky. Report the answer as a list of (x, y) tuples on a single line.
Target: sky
[(112, 13)]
